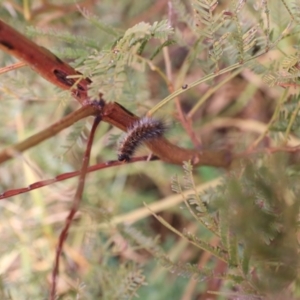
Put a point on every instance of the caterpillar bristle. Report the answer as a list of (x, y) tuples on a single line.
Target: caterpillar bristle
[(142, 130)]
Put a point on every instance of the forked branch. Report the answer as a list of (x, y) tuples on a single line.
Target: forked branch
[(62, 75)]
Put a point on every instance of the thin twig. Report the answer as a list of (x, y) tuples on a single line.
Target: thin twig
[(12, 67), (291, 122), (64, 176), (273, 119), (211, 91), (47, 133), (76, 202), (187, 124)]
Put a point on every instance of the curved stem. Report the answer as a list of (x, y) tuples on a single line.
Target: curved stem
[(14, 150)]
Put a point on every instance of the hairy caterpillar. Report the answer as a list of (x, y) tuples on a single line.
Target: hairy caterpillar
[(142, 130)]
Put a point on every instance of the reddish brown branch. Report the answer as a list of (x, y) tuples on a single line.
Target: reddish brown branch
[(76, 202), (61, 177), (42, 61), (57, 72), (118, 116), (115, 163)]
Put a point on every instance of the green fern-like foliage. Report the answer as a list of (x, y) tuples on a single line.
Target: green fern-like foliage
[(139, 239), (186, 270), (288, 75), (113, 283), (194, 203), (110, 69), (227, 35), (257, 222), (131, 283), (288, 116)]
